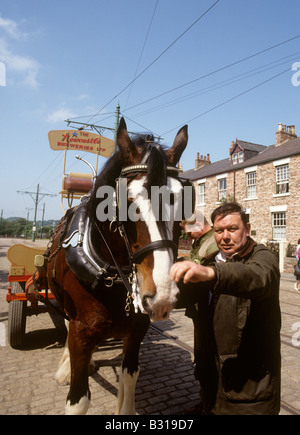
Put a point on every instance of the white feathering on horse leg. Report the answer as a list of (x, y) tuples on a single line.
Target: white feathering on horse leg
[(63, 374), (79, 408), (126, 395)]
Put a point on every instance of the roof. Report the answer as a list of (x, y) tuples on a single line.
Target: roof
[(250, 146), (265, 154)]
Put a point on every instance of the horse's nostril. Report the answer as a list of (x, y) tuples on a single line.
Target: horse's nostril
[(146, 301), (147, 298), (147, 305), (165, 315)]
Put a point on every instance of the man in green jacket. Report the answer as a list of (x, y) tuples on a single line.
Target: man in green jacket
[(239, 364), (199, 230)]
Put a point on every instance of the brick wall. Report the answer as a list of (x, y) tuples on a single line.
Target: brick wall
[(260, 214)]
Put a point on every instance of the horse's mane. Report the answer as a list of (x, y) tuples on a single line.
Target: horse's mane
[(156, 171)]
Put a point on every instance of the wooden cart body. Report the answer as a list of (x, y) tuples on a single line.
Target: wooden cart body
[(21, 257), (22, 267)]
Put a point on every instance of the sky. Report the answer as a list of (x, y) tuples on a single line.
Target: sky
[(222, 67)]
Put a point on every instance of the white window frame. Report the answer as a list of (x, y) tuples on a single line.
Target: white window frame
[(222, 192), (282, 179), (201, 195), (279, 225), (251, 182)]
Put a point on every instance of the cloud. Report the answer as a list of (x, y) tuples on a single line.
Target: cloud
[(81, 97), (11, 28), (60, 115), (26, 66)]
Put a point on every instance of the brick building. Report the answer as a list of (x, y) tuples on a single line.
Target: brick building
[(265, 180)]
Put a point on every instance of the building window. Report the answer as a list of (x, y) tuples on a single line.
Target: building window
[(279, 225), (222, 188), (251, 185), (201, 194), (238, 158), (282, 179)]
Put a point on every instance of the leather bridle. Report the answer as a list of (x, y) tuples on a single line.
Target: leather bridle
[(130, 173), (137, 257)]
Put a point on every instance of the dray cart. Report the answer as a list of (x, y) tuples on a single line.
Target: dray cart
[(22, 260), (25, 260)]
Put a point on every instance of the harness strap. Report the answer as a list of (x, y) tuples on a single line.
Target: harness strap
[(45, 300), (119, 269), (140, 253), (171, 171)]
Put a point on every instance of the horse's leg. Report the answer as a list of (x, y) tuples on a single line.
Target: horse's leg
[(126, 394), (81, 349), (129, 371), (63, 374)]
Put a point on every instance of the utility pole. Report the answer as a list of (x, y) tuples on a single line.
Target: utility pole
[(37, 197), (97, 128), (117, 124), (27, 220), (43, 216)]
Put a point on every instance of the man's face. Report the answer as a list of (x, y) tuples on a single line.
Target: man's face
[(230, 233)]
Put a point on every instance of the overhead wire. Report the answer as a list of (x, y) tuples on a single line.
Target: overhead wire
[(156, 59), (192, 81), (89, 116), (142, 51), (219, 85), (214, 72), (143, 127), (45, 170), (228, 100), (198, 78)]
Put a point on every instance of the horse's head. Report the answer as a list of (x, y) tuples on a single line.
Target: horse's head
[(150, 200)]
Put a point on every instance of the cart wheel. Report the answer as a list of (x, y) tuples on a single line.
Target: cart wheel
[(16, 317)]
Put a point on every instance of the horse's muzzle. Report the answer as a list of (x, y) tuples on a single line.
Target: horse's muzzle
[(147, 305), (158, 309)]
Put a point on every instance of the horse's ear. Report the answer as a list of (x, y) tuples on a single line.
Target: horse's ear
[(179, 145), (126, 147)]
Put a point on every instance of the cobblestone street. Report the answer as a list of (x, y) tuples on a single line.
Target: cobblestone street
[(166, 384)]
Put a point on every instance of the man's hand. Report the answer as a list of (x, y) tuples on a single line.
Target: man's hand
[(189, 271)]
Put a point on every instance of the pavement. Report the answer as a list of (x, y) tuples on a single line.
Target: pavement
[(166, 385)]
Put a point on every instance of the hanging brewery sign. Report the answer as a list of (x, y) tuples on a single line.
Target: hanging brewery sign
[(78, 140)]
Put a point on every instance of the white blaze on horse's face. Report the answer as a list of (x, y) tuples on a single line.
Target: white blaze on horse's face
[(158, 293)]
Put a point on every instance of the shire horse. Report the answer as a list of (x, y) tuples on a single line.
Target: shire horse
[(109, 274)]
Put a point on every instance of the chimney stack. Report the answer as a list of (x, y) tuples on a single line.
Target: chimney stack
[(285, 133), (202, 161)]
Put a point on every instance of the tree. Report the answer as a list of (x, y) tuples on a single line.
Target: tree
[(13, 227)]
